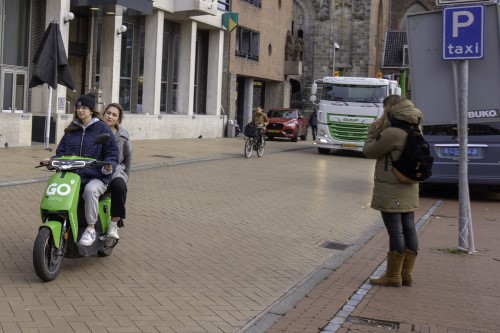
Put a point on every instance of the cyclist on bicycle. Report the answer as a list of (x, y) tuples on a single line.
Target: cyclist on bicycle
[(259, 118)]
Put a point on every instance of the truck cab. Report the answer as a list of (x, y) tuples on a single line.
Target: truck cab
[(346, 108)]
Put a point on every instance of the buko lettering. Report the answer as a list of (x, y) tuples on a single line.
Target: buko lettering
[(483, 114)]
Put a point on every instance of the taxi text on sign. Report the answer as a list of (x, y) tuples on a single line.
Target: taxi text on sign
[(463, 32), (463, 2)]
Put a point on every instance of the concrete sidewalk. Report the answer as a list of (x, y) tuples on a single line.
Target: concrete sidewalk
[(452, 292)]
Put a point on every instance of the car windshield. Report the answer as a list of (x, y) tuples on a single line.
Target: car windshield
[(353, 93), (290, 114)]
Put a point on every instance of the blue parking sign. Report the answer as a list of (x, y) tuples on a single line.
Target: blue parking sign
[(463, 32)]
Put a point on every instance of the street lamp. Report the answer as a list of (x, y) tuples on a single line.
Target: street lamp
[(336, 47)]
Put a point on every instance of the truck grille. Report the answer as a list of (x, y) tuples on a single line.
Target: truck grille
[(348, 131)]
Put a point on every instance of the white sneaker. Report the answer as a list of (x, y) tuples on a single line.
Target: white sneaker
[(88, 237), (113, 230)]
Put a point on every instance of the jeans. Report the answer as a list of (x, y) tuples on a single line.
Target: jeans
[(401, 230), (91, 193)]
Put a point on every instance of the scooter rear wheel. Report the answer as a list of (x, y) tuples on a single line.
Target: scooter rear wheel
[(46, 262)]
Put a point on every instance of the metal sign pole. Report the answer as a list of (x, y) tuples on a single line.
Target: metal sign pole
[(465, 236)]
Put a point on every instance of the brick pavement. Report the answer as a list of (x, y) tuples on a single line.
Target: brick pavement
[(452, 292)]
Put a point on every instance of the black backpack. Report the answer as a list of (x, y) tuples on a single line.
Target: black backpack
[(415, 163)]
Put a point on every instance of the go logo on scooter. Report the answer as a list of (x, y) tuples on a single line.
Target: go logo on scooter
[(59, 189)]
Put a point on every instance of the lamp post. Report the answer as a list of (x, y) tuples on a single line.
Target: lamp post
[(336, 47)]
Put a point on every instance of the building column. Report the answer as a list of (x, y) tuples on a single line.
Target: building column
[(153, 62), (111, 43), (214, 88), (248, 102), (187, 57)]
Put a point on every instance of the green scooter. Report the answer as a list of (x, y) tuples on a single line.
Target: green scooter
[(63, 218)]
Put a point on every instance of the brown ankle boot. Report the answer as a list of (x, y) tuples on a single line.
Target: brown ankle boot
[(392, 275), (408, 263)]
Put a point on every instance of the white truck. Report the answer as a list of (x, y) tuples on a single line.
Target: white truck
[(346, 108)]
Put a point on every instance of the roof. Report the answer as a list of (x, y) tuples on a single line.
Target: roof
[(393, 50)]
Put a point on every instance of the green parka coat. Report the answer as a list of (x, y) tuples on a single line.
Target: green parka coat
[(390, 195)]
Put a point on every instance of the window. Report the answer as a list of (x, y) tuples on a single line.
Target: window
[(257, 3), (126, 67), (164, 71), (14, 30), (175, 85), (14, 84), (247, 43), (224, 5)]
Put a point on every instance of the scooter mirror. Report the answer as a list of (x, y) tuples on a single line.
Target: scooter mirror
[(101, 138)]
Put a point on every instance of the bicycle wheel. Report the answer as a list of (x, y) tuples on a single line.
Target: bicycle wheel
[(260, 148), (249, 147)]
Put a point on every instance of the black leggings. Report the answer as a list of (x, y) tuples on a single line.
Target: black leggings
[(118, 190), (401, 230)]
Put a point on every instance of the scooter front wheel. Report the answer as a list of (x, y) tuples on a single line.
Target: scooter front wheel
[(46, 261)]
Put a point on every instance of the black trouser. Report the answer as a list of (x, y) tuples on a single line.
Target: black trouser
[(401, 230), (314, 131), (118, 190)]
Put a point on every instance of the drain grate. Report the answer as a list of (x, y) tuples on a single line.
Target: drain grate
[(390, 325), (334, 246)]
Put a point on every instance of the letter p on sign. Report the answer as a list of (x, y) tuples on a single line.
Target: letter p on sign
[(461, 19)]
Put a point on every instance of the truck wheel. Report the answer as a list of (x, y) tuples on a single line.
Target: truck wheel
[(324, 151), (46, 262)]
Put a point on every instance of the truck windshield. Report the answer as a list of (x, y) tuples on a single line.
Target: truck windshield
[(353, 93)]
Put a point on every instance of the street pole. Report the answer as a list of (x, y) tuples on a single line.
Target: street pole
[(335, 48), (334, 59), (465, 235)]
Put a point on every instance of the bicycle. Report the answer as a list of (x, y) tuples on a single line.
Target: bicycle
[(251, 144)]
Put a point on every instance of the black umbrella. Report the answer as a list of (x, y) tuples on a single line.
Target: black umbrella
[(51, 67), (51, 63)]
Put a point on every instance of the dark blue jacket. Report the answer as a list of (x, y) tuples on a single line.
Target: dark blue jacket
[(79, 142)]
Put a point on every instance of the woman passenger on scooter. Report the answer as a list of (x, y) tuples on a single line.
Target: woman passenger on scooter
[(77, 140), (113, 116)]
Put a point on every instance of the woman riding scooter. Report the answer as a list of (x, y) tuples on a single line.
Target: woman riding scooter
[(77, 140)]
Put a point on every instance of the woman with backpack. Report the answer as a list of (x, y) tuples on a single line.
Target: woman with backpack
[(395, 200)]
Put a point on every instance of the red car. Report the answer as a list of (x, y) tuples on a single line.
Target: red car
[(286, 123)]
